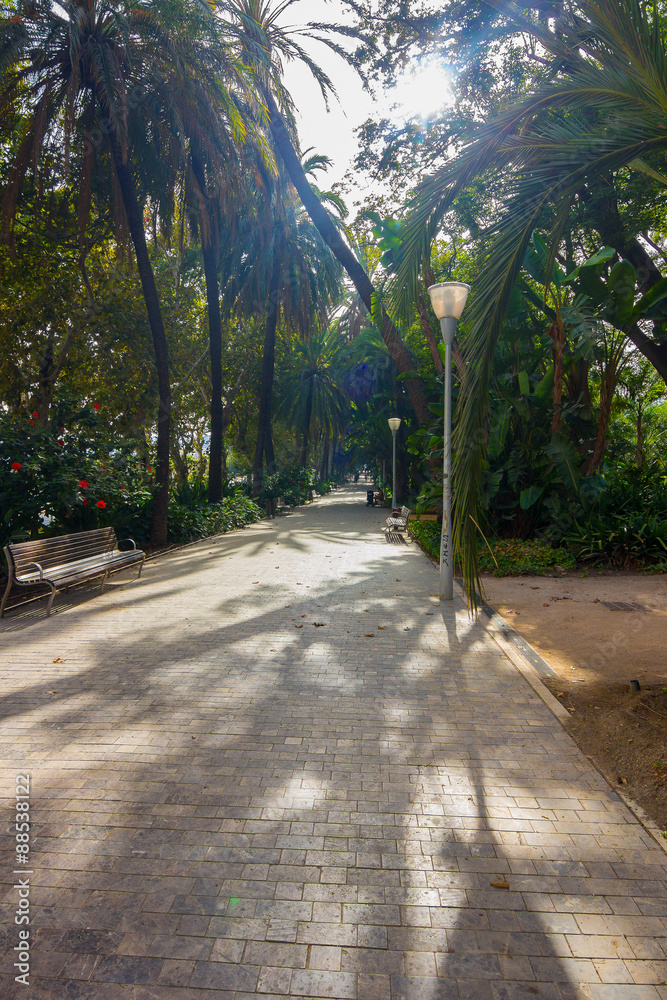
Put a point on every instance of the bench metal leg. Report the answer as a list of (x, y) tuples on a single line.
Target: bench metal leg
[(104, 580), (141, 566), (51, 596), (6, 595)]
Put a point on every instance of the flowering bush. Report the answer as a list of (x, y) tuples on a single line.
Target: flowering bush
[(65, 480), (71, 479)]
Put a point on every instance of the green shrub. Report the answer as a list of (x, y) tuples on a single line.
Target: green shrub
[(427, 533), (67, 478), (187, 524), (622, 540), (293, 484), (514, 556)]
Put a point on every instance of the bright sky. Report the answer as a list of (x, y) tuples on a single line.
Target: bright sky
[(423, 90)]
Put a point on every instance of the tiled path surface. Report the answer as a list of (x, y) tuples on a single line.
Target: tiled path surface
[(230, 801)]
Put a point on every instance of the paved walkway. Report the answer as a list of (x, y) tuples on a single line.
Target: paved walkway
[(274, 767)]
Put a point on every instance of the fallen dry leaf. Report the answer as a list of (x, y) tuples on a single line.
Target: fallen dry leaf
[(500, 885), (298, 626), (52, 692), (369, 635), (318, 624), (58, 660), (255, 581), (560, 694), (406, 629), (545, 605), (382, 627)]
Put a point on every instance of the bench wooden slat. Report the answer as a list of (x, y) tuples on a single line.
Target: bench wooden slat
[(81, 566), (64, 548), (66, 560)]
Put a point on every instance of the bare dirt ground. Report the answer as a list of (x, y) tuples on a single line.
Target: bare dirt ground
[(599, 633)]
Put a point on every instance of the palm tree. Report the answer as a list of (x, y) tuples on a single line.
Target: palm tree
[(312, 394), (267, 45), (228, 159), (287, 266), (600, 110), (110, 85)]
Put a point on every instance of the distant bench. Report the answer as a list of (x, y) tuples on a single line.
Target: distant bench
[(398, 522), (67, 560)]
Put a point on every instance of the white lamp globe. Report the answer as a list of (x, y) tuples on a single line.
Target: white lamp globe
[(448, 298)]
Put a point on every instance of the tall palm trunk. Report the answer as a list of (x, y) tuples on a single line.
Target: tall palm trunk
[(639, 450), (558, 335), (136, 226), (303, 457), (264, 441), (400, 354), (209, 241)]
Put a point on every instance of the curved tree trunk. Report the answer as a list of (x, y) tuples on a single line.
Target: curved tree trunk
[(209, 246), (400, 354), (136, 226), (266, 385)]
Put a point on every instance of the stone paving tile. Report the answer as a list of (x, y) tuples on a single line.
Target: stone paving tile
[(226, 806)]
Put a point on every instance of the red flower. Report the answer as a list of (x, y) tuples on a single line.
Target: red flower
[(16, 466), (60, 441), (96, 406), (149, 469), (101, 504), (83, 484), (31, 423), (35, 415)]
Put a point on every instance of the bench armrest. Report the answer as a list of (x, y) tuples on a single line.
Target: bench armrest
[(134, 544), (41, 571)]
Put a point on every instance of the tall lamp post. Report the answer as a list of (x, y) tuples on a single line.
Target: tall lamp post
[(394, 424), (448, 300)]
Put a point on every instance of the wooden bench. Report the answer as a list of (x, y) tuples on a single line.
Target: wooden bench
[(398, 522), (67, 560)]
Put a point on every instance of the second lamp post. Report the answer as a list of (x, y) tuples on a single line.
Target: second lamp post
[(394, 424), (448, 300)]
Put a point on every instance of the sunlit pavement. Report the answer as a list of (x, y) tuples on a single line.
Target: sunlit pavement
[(273, 766)]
